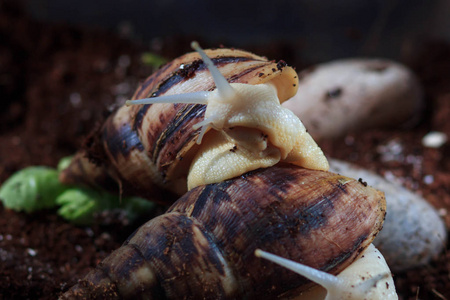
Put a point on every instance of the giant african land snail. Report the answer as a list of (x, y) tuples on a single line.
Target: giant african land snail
[(203, 246), (151, 146)]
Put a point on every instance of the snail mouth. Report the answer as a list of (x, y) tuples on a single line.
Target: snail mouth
[(221, 157), (250, 138), (233, 151)]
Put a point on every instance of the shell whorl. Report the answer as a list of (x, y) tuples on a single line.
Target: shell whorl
[(203, 247)]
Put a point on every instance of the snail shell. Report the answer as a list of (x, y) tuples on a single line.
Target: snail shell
[(144, 147), (203, 247)]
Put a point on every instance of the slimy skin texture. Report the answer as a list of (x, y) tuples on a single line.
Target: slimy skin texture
[(252, 131)]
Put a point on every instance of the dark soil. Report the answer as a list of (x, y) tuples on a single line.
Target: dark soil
[(56, 81)]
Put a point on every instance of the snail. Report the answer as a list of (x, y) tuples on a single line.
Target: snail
[(256, 179), (175, 142), (203, 246)]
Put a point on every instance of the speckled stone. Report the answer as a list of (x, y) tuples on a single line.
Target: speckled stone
[(413, 233)]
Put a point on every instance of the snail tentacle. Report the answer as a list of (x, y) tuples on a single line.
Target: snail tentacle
[(200, 97), (363, 285), (223, 86), (205, 125), (319, 277)]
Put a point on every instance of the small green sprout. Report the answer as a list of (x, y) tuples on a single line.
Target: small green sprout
[(31, 189), (79, 205), (35, 188), (136, 207), (64, 163), (153, 60)]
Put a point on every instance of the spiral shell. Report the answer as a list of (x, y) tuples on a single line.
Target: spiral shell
[(203, 247), (145, 147)]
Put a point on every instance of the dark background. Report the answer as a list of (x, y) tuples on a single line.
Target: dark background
[(319, 29)]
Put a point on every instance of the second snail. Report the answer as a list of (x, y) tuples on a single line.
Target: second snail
[(256, 179)]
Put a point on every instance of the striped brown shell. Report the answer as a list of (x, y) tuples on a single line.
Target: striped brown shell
[(145, 147), (203, 247)]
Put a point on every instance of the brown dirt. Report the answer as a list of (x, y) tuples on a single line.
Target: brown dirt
[(57, 80)]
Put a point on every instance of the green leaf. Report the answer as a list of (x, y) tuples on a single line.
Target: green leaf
[(79, 205), (31, 189), (38, 187), (135, 207), (153, 60), (64, 163)]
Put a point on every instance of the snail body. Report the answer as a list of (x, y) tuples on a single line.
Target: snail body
[(197, 128), (203, 247)]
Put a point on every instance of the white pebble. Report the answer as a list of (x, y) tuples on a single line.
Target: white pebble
[(78, 248), (434, 139), (75, 99), (442, 212), (31, 252), (428, 179), (344, 96), (392, 151), (413, 232), (124, 61)]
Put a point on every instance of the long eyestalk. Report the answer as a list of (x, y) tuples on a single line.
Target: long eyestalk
[(189, 98), (336, 287), (322, 278), (224, 88)]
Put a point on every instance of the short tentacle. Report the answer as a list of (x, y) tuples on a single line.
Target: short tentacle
[(205, 124)]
